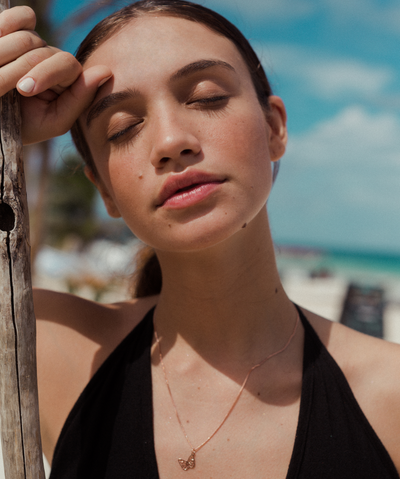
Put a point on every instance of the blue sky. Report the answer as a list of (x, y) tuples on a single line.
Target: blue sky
[(336, 64)]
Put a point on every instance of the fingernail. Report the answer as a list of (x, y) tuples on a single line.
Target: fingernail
[(103, 81), (27, 85)]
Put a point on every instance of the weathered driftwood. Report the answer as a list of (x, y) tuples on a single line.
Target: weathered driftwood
[(19, 411)]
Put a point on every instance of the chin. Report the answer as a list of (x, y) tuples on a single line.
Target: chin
[(202, 234)]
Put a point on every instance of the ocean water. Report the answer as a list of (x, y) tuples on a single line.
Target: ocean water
[(363, 267)]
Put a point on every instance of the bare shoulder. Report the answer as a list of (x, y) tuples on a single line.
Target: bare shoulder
[(88, 317), (372, 369), (74, 337), (97, 328)]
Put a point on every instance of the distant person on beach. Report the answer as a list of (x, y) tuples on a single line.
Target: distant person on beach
[(211, 370)]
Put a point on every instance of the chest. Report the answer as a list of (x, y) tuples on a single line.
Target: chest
[(257, 435)]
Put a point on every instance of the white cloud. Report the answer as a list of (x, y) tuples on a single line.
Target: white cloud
[(371, 12), (327, 76), (353, 139), (340, 182), (266, 10), (347, 76)]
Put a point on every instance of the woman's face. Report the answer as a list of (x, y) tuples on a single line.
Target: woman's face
[(179, 139)]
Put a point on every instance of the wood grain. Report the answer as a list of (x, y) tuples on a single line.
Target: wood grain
[(19, 412)]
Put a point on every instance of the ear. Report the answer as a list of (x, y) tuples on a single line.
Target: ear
[(110, 205), (276, 118)]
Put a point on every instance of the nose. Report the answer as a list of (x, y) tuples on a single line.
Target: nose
[(174, 141)]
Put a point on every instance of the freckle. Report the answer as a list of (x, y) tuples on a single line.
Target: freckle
[(276, 290), (244, 226), (228, 439), (187, 421), (169, 225), (198, 388), (258, 394), (140, 176)]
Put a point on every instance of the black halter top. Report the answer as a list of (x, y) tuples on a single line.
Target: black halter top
[(109, 432)]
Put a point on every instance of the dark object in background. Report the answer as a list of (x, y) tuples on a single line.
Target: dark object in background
[(363, 309)]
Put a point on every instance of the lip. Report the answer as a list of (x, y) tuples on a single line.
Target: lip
[(177, 185)]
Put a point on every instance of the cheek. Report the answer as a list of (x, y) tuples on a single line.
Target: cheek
[(127, 182), (243, 145), (246, 130)]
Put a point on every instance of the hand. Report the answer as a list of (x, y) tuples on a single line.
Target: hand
[(55, 90)]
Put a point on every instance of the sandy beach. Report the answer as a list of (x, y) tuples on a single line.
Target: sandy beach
[(325, 296)]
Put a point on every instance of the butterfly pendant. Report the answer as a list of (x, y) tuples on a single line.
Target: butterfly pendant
[(189, 464)]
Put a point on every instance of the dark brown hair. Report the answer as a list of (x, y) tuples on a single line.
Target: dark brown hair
[(148, 276)]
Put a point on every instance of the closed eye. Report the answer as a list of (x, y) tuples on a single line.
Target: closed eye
[(210, 101), (119, 134)]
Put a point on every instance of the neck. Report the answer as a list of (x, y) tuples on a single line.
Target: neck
[(226, 300)]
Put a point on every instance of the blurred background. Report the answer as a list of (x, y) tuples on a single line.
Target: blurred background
[(335, 206)]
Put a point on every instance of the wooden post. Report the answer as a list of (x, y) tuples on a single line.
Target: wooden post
[(19, 411)]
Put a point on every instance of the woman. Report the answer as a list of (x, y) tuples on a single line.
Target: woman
[(227, 378)]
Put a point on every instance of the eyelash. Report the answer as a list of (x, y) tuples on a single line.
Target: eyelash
[(123, 132), (210, 102)]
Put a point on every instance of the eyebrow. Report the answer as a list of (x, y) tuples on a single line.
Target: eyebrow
[(199, 66), (115, 98), (109, 101)]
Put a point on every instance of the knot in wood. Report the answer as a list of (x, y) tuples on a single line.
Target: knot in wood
[(7, 217)]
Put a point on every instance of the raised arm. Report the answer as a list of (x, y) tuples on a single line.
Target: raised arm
[(54, 88)]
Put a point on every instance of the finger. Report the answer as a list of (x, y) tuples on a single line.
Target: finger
[(11, 73), (74, 101), (56, 72), (17, 18), (17, 44), (54, 118)]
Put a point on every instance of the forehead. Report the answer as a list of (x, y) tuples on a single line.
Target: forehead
[(151, 45)]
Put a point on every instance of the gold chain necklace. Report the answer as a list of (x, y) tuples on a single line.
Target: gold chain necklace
[(191, 462)]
